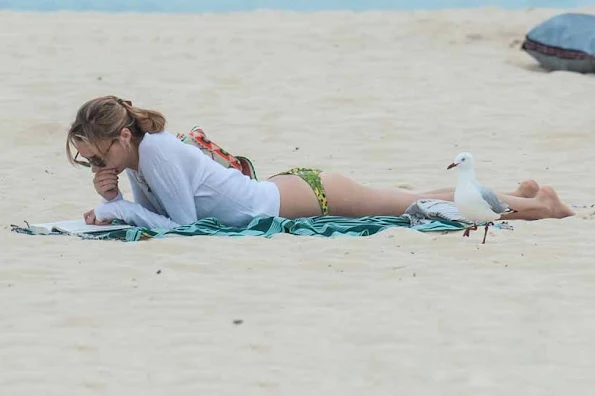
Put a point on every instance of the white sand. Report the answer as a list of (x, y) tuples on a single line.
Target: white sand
[(387, 97)]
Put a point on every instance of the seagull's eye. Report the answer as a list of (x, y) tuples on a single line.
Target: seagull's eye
[(462, 159)]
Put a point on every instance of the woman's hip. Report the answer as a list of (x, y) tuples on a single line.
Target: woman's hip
[(301, 196)]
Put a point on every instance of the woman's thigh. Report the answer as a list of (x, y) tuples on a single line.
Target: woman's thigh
[(347, 197)]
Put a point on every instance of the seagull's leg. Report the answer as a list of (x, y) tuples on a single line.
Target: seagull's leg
[(469, 229), (486, 232)]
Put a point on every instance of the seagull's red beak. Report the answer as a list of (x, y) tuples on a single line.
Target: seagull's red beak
[(451, 166)]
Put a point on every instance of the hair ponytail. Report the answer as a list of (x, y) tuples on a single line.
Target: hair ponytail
[(147, 121)]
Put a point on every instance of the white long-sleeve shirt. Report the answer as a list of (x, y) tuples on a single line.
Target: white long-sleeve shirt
[(176, 184)]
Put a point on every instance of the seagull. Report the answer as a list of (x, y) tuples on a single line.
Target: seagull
[(475, 202)]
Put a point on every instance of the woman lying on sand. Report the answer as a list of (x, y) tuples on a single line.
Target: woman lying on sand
[(175, 184)]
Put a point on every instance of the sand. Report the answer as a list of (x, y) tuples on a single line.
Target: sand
[(386, 97)]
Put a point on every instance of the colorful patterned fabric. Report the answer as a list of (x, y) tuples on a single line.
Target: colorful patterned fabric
[(198, 138), (312, 177)]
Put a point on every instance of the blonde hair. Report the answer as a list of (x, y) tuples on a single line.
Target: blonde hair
[(103, 118)]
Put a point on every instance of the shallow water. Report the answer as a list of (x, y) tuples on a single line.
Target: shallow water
[(296, 5)]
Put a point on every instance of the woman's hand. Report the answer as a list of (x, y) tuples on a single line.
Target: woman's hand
[(106, 183), (91, 219)]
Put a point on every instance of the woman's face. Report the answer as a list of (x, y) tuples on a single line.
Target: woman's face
[(110, 154)]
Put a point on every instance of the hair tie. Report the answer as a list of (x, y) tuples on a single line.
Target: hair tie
[(123, 102)]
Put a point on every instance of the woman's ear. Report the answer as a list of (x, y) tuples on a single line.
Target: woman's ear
[(126, 135)]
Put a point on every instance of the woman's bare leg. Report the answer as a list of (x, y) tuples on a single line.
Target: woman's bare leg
[(349, 198)]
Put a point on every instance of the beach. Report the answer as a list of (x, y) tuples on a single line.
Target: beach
[(388, 98)]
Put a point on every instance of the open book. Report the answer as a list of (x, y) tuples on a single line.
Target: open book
[(74, 227)]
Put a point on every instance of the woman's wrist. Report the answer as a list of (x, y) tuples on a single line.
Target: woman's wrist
[(117, 197)]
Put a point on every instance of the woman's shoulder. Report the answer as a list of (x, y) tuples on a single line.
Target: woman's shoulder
[(155, 137), (158, 142)]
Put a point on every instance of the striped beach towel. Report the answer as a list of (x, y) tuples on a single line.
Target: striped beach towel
[(325, 226)]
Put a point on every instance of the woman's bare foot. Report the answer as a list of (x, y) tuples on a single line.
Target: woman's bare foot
[(527, 189), (555, 207)]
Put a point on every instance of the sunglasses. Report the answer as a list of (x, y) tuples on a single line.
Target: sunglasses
[(95, 160)]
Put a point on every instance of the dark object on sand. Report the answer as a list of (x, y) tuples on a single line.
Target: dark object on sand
[(564, 42)]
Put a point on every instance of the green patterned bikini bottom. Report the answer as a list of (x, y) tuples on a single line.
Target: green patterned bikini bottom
[(312, 177)]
